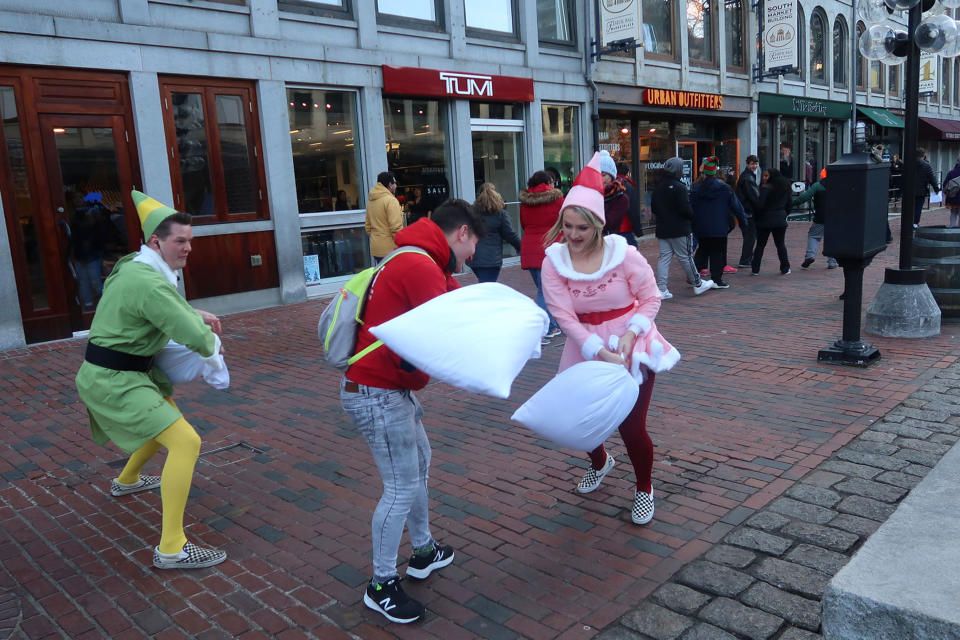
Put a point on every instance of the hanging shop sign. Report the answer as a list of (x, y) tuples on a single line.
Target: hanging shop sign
[(682, 99), (799, 106), (412, 81), (929, 66), (780, 35), (619, 20)]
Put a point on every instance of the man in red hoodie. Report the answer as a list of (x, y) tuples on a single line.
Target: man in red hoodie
[(377, 393)]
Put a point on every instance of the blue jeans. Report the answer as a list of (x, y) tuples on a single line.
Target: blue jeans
[(486, 274), (390, 421), (90, 280), (814, 236), (535, 274)]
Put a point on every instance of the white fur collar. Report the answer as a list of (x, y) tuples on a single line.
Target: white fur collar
[(614, 251), (151, 258)]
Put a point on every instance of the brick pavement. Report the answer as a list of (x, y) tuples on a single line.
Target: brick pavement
[(287, 486)]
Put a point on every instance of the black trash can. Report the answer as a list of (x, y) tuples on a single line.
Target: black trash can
[(937, 249)]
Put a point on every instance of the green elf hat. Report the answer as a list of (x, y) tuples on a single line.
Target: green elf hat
[(151, 212)]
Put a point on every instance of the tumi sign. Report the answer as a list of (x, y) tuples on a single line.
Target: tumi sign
[(455, 84)]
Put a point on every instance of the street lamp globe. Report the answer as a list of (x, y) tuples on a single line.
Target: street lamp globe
[(872, 10), (900, 5), (950, 4), (936, 33), (952, 50), (877, 42)]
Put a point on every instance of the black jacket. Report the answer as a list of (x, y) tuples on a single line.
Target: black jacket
[(670, 205), (773, 208), (633, 213), (924, 178), (748, 192), (489, 252)]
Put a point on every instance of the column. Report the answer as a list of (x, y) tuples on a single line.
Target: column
[(11, 323), (461, 151)]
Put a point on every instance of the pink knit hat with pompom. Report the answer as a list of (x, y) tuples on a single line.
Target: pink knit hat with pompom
[(587, 189)]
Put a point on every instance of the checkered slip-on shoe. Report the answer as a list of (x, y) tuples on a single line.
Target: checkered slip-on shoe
[(642, 512), (192, 557), (144, 484), (592, 478)]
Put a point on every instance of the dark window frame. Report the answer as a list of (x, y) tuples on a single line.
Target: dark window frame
[(208, 89), (862, 70), (842, 67), (305, 7), (438, 25), (572, 43), (819, 15), (744, 27), (674, 56), (714, 61), (490, 34)]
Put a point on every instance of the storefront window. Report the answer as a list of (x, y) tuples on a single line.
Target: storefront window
[(813, 156), (334, 252), (326, 156), (555, 20), (764, 140), (789, 144), (497, 110), (833, 142), (23, 204), (658, 27), (216, 167), (561, 140), (839, 53), (700, 30), (417, 152), (489, 15), (404, 10), (818, 46), (733, 14)]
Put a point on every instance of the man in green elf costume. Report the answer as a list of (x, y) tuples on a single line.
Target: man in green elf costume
[(128, 398)]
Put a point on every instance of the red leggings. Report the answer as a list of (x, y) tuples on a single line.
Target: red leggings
[(633, 430)]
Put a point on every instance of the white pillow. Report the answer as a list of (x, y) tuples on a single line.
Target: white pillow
[(180, 364), (476, 338), (581, 406)]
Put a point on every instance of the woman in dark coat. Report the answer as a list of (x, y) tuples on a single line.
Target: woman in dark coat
[(539, 210), (488, 257), (775, 199)]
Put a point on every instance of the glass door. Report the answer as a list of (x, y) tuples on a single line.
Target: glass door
[(89, 178), (498, 158)]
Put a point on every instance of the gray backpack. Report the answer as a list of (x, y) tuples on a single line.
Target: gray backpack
[(952, 187), (340, 321)]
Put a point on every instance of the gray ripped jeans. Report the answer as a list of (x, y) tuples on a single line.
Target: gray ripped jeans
[(390, 421)]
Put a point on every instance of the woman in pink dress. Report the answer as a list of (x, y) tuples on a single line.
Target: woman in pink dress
[(598, 287)]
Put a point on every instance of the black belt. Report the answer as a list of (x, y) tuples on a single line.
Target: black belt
[(117, 360)]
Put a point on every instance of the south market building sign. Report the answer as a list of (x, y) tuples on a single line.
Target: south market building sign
[(800, 106)]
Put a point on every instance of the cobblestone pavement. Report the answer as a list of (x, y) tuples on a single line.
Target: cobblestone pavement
[(287, 486)]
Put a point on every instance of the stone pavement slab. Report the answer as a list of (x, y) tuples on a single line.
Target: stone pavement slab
[(287, 486)]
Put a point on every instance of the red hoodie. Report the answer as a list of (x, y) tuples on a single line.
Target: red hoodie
[(407, 281)]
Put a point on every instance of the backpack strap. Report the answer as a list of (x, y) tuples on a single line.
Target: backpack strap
[(378, 343)]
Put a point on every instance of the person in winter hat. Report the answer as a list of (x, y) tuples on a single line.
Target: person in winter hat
[(128, 398), (713, 201), (539, 210), (598, 287), (670, 204), (616, 203)]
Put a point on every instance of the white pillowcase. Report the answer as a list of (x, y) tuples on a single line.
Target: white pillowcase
[(180, 364), (582, 405), (477, 338)]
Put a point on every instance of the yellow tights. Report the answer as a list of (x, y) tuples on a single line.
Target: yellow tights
[(183, 447)]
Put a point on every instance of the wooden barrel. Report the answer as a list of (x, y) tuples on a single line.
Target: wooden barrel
[(937, 249)]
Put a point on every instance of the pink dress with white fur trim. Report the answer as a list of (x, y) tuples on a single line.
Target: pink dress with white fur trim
[(624, 278)]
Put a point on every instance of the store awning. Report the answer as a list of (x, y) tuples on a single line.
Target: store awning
[(939, 129), (882, 117)]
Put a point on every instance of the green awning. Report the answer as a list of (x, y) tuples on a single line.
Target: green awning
[(882, 117)]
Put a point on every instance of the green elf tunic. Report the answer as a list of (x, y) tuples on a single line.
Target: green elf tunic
[(139, 312)]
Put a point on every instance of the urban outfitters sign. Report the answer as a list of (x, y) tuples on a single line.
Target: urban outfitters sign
[(682, 99), (780, 35), (619, 20)]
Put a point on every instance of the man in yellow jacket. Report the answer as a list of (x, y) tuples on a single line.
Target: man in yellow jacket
[(384, 217)]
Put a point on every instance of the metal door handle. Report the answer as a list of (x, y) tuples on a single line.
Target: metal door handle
[(59, 209)]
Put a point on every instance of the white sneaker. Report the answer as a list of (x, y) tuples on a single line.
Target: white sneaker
[(665, 295), (592, 478), (705, 285)]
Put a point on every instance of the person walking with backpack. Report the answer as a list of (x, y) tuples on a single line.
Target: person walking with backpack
[(376, 391), (951, 189), (488, 259), (670, 205)]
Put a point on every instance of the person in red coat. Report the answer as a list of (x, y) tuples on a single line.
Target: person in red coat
[(539, 210)]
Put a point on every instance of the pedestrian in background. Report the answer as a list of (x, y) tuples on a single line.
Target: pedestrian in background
[(818, 193), (633, 224), (615, 200), (951, 188), (670, 204), (488, 258), (748, 192), (539, 210), (775, 199), (924, 179), (384, 216), (713, 202)]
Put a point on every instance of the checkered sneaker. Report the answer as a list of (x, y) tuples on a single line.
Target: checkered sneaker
[(592, 478), (192, 557), (642, 507), (144, 484)]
